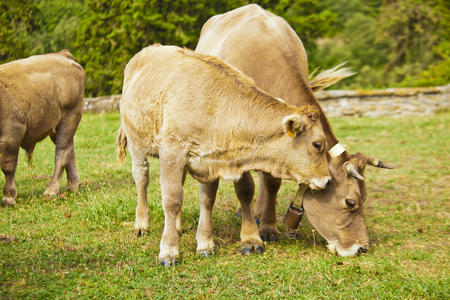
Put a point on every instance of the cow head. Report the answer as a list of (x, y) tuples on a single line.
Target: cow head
[(337, 212), (305, 148)]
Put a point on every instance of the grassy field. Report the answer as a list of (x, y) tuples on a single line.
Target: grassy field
[(84, 246)]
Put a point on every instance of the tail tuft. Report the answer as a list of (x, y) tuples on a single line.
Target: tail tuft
[(30, 157), (121, 146), (330, 77)]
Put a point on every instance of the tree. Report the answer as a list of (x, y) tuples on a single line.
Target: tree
[(57, 28), (387, 42), (17, 19), (410, 27), (111, 32)]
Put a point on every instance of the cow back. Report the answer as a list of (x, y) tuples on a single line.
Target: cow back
[(173, 92), (261, 45)]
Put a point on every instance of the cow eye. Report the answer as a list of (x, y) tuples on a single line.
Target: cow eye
[(350, 203), (317, 145)]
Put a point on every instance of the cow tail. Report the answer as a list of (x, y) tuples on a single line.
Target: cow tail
[(329, 77), (121, 146), (30, 157)]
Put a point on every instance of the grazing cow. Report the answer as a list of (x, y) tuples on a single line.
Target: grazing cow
[(199, 115), (40, 96), (264, 47)]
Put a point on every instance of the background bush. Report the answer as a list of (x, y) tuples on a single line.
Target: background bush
[(389, 43)]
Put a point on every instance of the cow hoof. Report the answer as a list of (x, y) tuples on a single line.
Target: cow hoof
[(260, 249), (49, 193), (247, 250), (73, 191), (74, 187), (205, 253), (8, 201), (140, 232), (292, 235), (168, 262), (269, 235)]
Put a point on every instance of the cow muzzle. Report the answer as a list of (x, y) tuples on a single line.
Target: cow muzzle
[(356, 249), (319, 183)]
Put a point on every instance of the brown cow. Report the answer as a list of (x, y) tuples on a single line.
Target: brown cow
[(264, 47), (40, 96), (201, 116)]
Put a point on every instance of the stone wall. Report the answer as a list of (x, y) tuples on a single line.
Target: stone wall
[(395, 102), (102, 104)]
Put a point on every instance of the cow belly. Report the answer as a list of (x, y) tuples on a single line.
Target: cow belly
[(207, 170)]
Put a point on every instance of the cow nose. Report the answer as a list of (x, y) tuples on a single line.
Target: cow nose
[(328, 182), (362, 250)]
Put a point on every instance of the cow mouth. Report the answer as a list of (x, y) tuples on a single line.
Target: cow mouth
[(335, 248), (319, 183)]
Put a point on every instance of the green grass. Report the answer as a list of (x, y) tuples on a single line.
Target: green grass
[(82, 246)]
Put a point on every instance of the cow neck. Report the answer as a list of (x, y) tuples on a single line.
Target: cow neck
[(251, 149), (231, 164), (306, 96), (260, 117)]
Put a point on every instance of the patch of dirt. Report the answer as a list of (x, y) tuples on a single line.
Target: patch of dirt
[(7, 239), (40, 176)]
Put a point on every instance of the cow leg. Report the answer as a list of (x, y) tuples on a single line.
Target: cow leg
[(179, 216), (140, 169), (171, 181), (71, 169), (8, 160), (260, 200), (250, 239), (179, 222), (9, 152), (63, 139), (204, 237), (265, 207), (72, 173)]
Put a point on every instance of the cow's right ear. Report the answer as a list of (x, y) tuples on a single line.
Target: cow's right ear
[(293, 125)]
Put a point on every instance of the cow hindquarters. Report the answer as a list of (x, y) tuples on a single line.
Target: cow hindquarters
[(207, 195), (250, 239), (172, 162)]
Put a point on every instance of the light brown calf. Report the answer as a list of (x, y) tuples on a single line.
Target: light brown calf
[(40, 96), (199, 115)]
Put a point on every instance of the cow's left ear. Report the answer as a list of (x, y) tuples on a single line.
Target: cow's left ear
[(293, 125)]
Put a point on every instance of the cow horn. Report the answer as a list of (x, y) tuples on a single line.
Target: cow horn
[(350, 169), (378, 163)]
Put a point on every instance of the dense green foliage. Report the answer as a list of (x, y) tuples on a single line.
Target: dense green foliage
[(401, 43), (83, 246), (388, 43)]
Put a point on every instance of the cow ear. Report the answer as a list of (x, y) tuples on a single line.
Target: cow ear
[(293, 125)]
